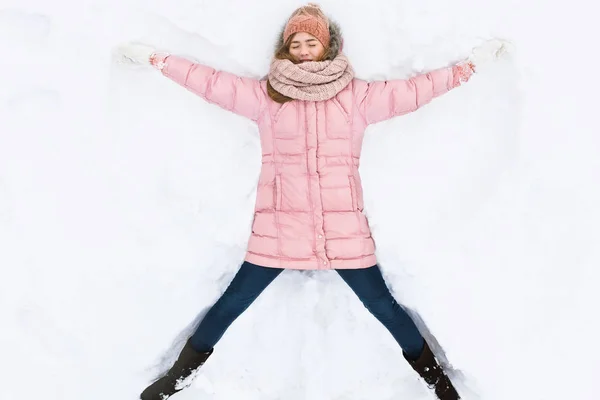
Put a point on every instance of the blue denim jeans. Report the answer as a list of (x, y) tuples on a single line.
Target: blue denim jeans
[(251, 280)]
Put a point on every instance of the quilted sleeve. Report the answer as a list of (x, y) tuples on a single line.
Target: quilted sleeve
[(242, 96), (381, 100)]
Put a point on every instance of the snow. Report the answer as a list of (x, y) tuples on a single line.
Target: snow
[(126, 203)]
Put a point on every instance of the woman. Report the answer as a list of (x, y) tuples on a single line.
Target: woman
[(311, 113)]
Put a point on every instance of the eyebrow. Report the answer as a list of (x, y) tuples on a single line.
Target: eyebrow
[(297, 41)]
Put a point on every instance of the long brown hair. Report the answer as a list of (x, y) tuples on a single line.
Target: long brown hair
[(283, 53)]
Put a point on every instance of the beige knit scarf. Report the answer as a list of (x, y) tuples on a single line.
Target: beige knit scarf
[(312, 80)]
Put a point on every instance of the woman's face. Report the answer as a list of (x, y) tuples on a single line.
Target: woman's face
[(305, 47)]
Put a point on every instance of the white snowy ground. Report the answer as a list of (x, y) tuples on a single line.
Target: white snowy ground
[(126, 203)]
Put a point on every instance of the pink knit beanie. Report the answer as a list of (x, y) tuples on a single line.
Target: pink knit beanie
[(308, 19)]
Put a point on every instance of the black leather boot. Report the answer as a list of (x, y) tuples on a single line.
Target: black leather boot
[(433, 374), (179, 376)]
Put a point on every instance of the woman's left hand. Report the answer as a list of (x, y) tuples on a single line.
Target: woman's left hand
[(134, 54)]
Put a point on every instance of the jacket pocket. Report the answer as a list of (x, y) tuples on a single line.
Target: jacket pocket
[(277, 192), (342, 110), (356, 190), (285, 122), (337, 120), (353, 192)]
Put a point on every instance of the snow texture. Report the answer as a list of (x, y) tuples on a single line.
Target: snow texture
[(126, 203)]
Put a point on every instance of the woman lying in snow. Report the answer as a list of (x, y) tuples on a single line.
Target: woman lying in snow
[(311, 113)]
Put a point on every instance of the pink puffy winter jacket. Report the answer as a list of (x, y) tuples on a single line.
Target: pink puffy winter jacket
[(309, 202)]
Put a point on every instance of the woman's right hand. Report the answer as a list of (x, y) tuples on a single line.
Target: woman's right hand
[(491, 50), (134, 54)]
